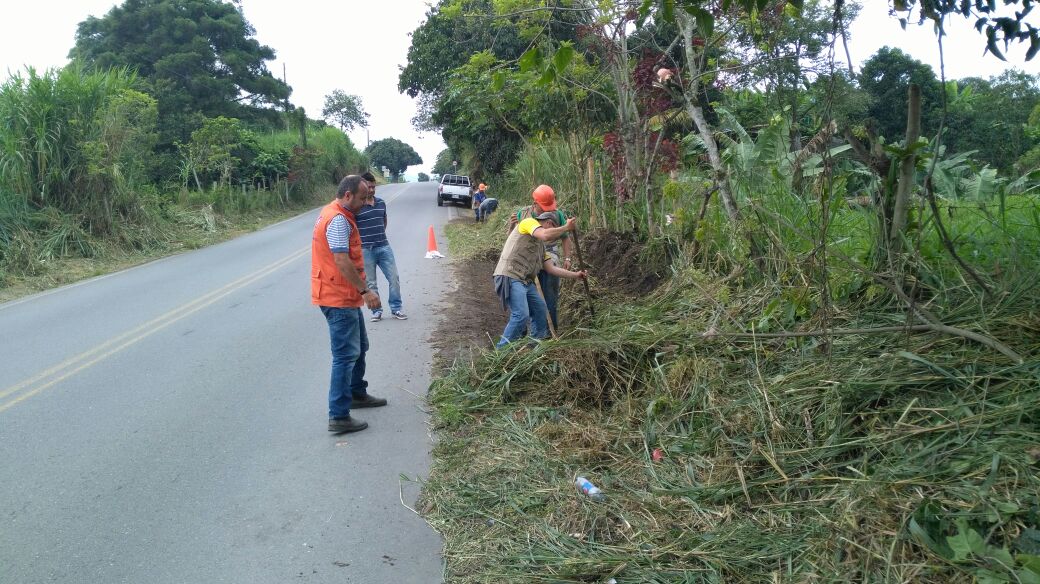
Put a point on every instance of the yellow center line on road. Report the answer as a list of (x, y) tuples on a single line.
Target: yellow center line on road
[(78, 363)]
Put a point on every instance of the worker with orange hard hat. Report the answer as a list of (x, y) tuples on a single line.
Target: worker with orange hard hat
[(523, 257), (544, 200), (478, 198)]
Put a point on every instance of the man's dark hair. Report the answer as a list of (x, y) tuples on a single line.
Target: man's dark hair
[(350, 183), (369, 177)]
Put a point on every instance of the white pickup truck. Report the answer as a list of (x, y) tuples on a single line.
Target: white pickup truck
[(454, 188)]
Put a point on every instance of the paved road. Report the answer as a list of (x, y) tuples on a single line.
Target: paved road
[(167, 424)]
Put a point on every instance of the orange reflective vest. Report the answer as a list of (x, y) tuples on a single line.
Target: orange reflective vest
[(328, 286)]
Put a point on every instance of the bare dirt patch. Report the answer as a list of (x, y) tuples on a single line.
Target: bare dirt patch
[(473, 315)]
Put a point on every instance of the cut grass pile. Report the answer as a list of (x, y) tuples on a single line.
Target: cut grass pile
[(886, 457)]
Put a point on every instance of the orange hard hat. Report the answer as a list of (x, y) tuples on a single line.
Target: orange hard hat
[(545, 197), (482, 187)]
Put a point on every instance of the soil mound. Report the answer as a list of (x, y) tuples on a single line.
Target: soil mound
[(618, 261)]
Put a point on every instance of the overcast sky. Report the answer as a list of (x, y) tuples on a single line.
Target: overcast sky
[(359, 45)]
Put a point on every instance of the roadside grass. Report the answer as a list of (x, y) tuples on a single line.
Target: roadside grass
[(884, 457), (469, 239), (43, 264), (778, 463)]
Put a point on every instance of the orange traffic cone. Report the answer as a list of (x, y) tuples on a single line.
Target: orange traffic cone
[(431, 246)]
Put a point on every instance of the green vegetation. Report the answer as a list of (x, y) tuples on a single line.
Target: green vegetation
[(875, 452), (836, 378), (145, 145), (877, 463), (197, 57), (445, 163), (393, 154), (345, 110)]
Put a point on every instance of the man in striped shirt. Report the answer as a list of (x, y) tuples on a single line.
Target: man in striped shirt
[(372, 221), (338, 287)]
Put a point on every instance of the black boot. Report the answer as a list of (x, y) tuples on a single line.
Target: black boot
[(344, 425), (368, 401)]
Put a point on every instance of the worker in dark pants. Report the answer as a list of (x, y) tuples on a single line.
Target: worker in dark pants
[(559, 251)]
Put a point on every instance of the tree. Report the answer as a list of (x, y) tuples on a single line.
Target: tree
[(219, 147), (197, 57), (394, 154), (344, 110), (887, 77), (445, 160), (444, 42), (493, 106), (788, 53), (990, 117), (423, 177), (1030, 161)]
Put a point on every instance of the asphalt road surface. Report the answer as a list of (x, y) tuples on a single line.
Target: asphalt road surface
[(167, 424)]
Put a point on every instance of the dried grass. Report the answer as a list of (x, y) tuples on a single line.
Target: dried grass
[(782, 462)]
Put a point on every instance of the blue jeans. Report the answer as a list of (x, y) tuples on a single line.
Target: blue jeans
[(383, 257), (525, 304), (551, 289), (349, 345)]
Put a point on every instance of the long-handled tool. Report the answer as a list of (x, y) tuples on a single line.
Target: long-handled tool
[(581, 266)]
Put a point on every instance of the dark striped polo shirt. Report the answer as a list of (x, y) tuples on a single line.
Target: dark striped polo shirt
[(371, 223)]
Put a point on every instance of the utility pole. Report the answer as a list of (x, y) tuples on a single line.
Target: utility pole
[(288, 122)]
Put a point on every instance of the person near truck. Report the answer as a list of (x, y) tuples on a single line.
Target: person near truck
[(523, 256), (478, 198), (372, 220), (338, 287), (544, 200), (487, 208)]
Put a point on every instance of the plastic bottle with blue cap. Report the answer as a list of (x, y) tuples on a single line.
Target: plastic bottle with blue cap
[(585, 486)]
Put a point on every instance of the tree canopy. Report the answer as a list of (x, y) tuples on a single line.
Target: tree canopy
[(394, 154), (344, 110), (443, 42), (445, 158), (196, 56), (462, 66), (886, 77)]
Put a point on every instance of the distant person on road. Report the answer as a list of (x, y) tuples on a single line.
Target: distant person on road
[(372, 220), (338, 287), (478, 198), (523, 256), (545, 200), (486, 208)]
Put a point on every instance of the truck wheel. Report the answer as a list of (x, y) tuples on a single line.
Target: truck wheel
[(440, 202)]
